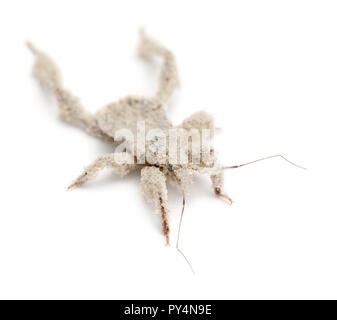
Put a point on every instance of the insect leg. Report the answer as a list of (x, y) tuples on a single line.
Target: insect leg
[(217, 182), (153, 183), (169, 79), (122, 167), (70, 107)]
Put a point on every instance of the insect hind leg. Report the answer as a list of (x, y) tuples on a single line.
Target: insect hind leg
[(70, 107)]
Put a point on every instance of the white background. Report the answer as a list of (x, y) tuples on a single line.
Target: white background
[(266, 70)]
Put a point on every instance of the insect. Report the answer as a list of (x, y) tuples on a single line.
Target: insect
[(156, 168)]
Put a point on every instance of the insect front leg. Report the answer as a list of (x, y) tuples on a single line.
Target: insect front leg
[(153, 183), (217, 182), (122, 163)]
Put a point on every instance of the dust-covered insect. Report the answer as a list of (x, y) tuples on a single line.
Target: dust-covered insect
[(155, 155)]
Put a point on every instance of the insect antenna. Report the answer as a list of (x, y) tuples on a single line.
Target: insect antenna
[(177, 245), (265, 158)]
